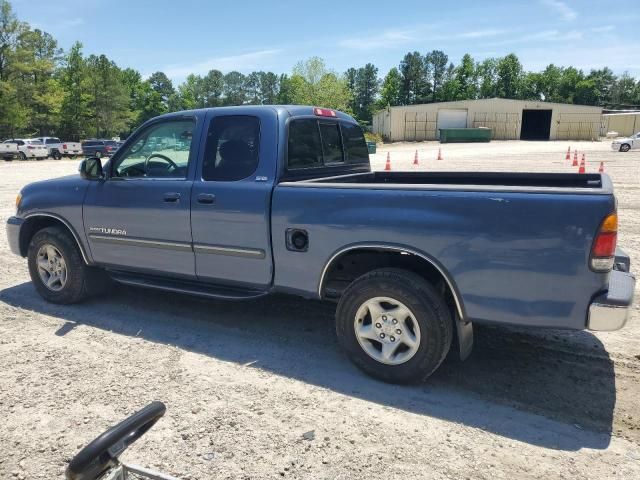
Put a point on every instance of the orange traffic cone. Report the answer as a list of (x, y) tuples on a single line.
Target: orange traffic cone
[(575, 158), (387, 166), (568, 157), (440, 154), (582, 167), (415, 158), (601, 169)]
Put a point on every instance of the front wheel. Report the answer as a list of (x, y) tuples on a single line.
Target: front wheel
[(394, 325), (625, 147), (57, 269)]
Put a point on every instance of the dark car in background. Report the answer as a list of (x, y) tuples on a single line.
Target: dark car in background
[(100, 148)]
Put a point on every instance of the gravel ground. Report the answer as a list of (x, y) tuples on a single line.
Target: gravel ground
[(261, 389)]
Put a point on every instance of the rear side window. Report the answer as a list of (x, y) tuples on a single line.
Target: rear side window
[(354, 144), (305, 148), (331, 143), (231, 153), (53, 140), (314, 143)]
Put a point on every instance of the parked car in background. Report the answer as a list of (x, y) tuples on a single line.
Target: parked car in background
[(9, 151), (29, 148), (58, 149), (626, 144), (99, 148)]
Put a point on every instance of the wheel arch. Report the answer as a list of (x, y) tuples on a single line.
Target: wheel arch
[(37, 221), (385, 255)]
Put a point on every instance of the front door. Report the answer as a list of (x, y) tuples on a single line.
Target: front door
[(231, 199), (138, 219)]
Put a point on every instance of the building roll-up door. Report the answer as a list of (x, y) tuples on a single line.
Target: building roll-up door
[(451, 118)]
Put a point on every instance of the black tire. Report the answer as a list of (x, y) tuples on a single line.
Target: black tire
[(427, 306), (22, 156), (82, 281), (56, 155), (625, 147)]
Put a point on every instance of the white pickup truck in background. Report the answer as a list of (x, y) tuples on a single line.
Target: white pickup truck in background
[(9, 151), (29, 148), (626, 144), (58, 149)]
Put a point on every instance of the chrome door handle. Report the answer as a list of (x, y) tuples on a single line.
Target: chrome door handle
[(172, 197), (206, 198)]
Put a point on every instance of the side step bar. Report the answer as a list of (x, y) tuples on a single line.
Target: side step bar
[(186, 287)]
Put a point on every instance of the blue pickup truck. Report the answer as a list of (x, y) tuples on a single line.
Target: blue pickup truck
[(240, 202)]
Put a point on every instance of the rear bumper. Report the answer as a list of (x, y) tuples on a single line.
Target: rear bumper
[(611, 310), (14, 224)]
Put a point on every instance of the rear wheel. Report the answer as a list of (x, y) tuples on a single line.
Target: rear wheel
[(57, 269), (22, 156), (394, 325), (625, 147)]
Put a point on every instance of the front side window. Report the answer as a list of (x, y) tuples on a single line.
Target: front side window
[(233, 143), (160, 151)]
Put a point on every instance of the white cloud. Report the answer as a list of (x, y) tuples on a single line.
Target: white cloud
[(565, 11), (481, 34), (390, 38), (551, 36), (603, 29), (398, 37), (243, 62)]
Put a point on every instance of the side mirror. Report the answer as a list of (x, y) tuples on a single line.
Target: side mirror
[(91, 168)]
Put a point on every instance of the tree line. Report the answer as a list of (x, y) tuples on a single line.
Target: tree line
[(47, 91)]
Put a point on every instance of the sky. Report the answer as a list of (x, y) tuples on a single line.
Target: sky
[(185, 36)]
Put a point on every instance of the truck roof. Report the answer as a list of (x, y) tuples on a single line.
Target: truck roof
[(291, 110)]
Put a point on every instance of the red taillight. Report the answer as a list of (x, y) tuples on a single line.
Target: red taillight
[(108, 148), (64, 146), (324, 112), (603, 249), (29, 147), (605, 245)]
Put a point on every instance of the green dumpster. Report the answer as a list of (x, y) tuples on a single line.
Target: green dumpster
[(461, 135), (371, 146)]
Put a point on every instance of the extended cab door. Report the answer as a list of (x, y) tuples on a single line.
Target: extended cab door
[(138, 219), (231, 198)]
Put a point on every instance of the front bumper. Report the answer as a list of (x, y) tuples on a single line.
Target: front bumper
[(14, 224), (611, 310)]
